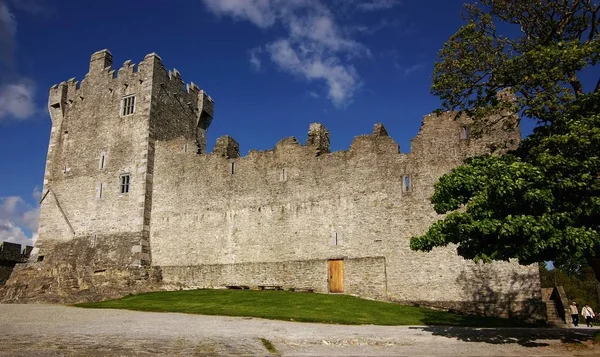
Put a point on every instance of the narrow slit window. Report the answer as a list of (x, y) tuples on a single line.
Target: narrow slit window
[(102, 161), (232, 168), (185, 147), (99, 190), (128, 105), (336, 239), (464, 132), (406, 183), (125, 181), (283, 176)]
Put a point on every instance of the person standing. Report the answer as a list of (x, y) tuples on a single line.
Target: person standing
[(588, 315), (574, 313)]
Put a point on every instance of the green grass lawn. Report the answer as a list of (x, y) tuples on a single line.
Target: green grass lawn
[(290, 306)]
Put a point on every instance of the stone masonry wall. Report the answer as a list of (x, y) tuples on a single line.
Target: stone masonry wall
[(92, 144), (295, 203)]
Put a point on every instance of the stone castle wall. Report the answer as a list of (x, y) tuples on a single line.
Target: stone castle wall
[(298, 203), (276, 217)]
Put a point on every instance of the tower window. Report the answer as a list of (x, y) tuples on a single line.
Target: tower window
[(128, 105), (464, 132), (232, 167), (125, 181)]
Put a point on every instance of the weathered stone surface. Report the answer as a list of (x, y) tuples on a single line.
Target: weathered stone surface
[(272, 217), (227, 147), (318, 139)]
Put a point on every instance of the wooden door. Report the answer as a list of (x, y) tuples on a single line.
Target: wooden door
[(336, 276)]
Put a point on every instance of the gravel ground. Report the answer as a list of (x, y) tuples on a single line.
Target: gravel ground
[(54, 330)]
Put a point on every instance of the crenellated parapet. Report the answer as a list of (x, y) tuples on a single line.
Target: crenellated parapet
[(441, 138), (318, 138), (317, 145), (149, 75), (227, 147)]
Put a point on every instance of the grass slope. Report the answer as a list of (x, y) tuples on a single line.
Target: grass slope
[(285, 305)]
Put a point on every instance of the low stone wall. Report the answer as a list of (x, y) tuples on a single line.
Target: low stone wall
[(364, 277)]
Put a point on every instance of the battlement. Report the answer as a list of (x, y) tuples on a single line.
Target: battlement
[(439, 135), (14, 252), (130, 74)]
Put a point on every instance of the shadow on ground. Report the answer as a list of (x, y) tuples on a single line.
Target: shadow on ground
[(527, 337)]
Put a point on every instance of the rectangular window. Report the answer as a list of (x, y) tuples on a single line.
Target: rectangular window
[(128, 105), (125, 181), (407, 183), (464, 132), (283, 176), (232, 168)]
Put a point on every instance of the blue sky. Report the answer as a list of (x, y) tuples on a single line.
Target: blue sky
[(272, 67)]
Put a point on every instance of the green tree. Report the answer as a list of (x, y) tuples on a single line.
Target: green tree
[(541, 201)]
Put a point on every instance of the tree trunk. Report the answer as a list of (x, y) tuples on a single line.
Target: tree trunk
[(594, 262)]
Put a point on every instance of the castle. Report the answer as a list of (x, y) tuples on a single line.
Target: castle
[(132, 201)]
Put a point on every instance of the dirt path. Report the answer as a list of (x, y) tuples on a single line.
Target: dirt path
[(53, 330)]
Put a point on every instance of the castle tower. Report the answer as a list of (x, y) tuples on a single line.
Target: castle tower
[(97, 197)]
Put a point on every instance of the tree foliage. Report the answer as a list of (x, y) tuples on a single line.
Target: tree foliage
[(554, 41), (541, 201), (580, 286)]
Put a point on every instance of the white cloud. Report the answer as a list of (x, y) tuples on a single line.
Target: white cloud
[(341, 80), (255, 61), (9, 232), (375, 5), (316, 47), (259, 12), (17, 100), (413, 68), (37, 193), (8, 30), (17, 94), (16, 216), (7, 20)]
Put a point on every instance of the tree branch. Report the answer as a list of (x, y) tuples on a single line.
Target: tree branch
[(576, 84), (594, 25)]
